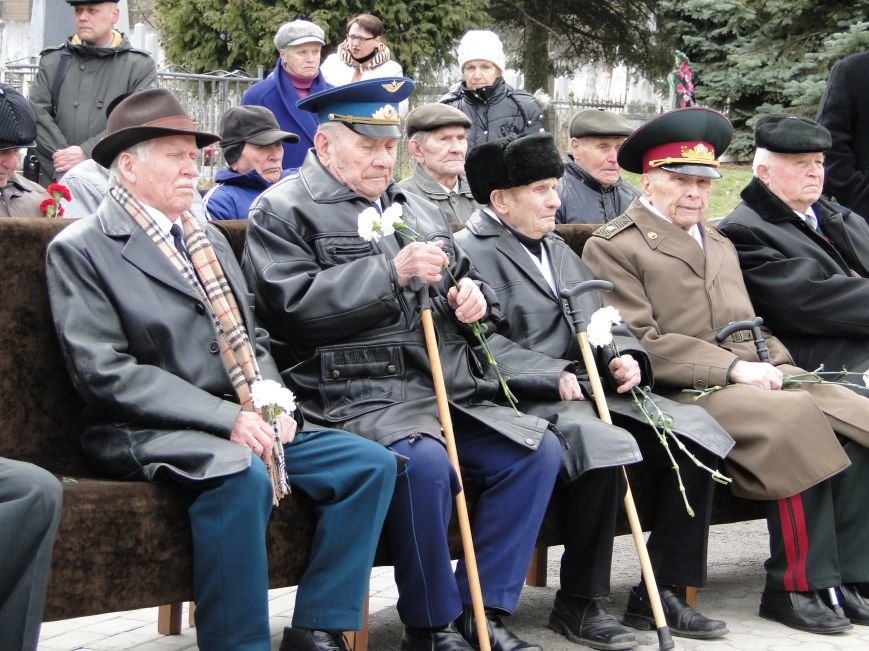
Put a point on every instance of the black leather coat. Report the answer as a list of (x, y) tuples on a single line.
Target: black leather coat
[(351, 338), (533, 316), (583, 201), (813, 294), (495, 111)]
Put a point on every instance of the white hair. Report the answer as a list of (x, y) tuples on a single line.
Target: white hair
[(140, 150), (762, 157)]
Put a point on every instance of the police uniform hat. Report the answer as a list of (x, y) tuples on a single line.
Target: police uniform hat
[(789, 134), (370, 108), (511, 162), (687, 141), (149, 114), (599, 123), (429, 117), (17, 120)]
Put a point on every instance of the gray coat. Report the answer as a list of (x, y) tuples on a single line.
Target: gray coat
[(94, 77), (533, 316), (351, 337), (583, 201), (141, 350), (456, 207)]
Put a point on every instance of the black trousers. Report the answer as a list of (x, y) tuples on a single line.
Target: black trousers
[(678, 542), (819, 538)]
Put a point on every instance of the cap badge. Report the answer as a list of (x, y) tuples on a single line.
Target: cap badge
[(393, 86)]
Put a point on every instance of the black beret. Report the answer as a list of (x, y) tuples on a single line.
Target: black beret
[(429, 117), (600, 123), (789, 134), (511, 162), (17, 120)]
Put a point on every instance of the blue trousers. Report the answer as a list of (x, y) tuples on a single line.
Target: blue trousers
[(30, 499), (350, 481), (516, 485)]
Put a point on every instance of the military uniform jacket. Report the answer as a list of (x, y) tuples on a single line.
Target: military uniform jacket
[(533, 316), (584, 201), (812, 293), (141, 349), (351, 338), (456, 207), (94, 77), (675, 298)]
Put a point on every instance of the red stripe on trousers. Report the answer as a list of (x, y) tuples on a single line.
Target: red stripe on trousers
[(796, 542)]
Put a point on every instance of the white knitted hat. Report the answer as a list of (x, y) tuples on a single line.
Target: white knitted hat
[(481, 44)]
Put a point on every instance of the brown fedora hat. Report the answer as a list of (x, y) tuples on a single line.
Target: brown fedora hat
[(149, 114)]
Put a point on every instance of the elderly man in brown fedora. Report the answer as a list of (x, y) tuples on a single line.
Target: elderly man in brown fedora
[(156, 324)]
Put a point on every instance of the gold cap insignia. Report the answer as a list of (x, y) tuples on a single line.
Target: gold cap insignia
[(393, 86)]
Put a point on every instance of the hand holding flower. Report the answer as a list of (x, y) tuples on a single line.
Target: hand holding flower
[(762, 375), (467, 300), (625, 370), (286, 428), (423, 260)]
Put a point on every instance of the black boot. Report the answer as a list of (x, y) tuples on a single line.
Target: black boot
[(585, 621), (852, 603), (804, 611), (683, 620), (303, 639), (500, 637), (445, 638)]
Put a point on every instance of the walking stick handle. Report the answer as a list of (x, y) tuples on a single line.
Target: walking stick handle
[(754, 326), (452, 452)]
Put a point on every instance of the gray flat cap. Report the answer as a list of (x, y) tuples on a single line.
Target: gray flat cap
[(789, 134), (596, 122), (429, 117), (298, 32)]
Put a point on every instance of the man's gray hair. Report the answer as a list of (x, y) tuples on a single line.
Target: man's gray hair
[(762, 157), (140, 150)]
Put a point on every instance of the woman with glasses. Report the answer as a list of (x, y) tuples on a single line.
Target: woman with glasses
[(362, 55), (296, 75)]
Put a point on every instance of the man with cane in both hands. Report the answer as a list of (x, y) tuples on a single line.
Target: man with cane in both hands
[(344, 306), (157, 328), (514, 250), (800, 445)]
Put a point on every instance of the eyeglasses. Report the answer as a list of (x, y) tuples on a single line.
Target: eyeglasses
[(360, 39)]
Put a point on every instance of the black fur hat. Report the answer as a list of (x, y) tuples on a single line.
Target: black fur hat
[(789, 134), (510, 162)]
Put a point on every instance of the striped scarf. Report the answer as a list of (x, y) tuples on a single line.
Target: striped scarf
[(204, 275), (377, 58)]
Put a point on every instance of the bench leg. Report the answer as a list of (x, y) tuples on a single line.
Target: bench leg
[(358, 640), (537, 569), (191, 615), (169, 619)]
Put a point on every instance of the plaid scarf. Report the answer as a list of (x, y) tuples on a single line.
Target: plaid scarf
[(204, 275), (377, 58)]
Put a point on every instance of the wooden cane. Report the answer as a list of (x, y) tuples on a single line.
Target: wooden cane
[(450, 438), (665, 640)]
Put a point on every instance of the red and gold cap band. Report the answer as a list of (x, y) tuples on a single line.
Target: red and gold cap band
[(689, 152)]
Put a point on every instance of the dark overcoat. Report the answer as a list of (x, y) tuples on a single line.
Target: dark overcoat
[(812, 293), (676, 297), (141, 349), (532, 315), (584, 201), (351, 337)]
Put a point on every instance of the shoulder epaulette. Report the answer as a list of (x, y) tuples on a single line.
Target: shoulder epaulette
[(613, 228)]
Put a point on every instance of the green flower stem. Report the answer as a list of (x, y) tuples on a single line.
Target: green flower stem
[(818, 377)]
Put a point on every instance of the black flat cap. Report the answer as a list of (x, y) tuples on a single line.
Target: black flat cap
[(599, 123), (254, 124), (686, 141), (429, 117), (511, 162), (17, 120), (789, 134)]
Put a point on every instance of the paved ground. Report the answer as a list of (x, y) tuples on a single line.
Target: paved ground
[(735, 582)]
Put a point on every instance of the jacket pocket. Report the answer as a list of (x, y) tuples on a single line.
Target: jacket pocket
[(333, 251), (356, 380)]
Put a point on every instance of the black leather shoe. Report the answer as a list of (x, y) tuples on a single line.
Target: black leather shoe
[(500, 637), (302, 639), (853, 604), (585, 621), (446, 638), (683, 620), (803, 611)]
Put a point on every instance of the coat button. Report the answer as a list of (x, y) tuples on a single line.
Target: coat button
[(652, 235), (214, 347), (200, 308), (701, 384), (391, 369), (335, 373), (529, 442)]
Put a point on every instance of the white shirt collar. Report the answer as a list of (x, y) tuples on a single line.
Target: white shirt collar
[(694, 231), (162, 221)]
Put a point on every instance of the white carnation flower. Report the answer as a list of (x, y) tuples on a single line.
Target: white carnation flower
[(268, 393), (392, 219), (599, 333), (369, 224)]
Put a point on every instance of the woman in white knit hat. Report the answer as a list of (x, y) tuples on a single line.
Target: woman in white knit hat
[(495, 108)]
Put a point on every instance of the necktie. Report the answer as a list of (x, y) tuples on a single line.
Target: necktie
[(178, 239)]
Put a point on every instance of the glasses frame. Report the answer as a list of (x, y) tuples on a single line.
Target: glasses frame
[(360, 39)]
